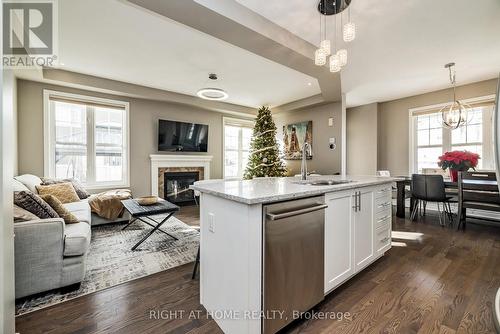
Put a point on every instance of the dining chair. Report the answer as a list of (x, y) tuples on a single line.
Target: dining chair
[(430, 188), (474, 194)]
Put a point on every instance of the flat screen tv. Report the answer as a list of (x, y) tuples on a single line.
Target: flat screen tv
[(182, 137)]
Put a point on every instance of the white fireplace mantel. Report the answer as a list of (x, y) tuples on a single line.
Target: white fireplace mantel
[(177, 160)]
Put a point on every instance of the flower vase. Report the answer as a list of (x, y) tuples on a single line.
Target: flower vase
[(454, 175)]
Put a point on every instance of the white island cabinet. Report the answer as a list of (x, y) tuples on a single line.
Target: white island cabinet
[(356, 232)]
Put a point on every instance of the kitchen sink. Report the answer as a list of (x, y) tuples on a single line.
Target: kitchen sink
[(325, 182)]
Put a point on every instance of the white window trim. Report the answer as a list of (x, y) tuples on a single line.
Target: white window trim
[(412, 167), (49, 135), (237, 121)]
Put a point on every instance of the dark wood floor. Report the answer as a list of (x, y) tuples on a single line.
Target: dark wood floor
[(442, 282)]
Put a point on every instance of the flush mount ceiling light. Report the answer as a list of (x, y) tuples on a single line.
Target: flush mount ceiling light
[(337, 58), (212, 93), (456, 113)]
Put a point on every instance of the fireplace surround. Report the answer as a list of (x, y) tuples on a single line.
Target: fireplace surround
[(178, 163)]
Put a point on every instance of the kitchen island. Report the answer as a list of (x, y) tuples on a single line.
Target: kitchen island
[(273, 247)]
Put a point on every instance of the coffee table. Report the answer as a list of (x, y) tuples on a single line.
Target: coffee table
[(144, 213)]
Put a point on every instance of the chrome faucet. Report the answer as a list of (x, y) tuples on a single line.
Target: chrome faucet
[(303, 166)]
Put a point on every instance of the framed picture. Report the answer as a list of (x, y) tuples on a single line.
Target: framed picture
[(294, 136)]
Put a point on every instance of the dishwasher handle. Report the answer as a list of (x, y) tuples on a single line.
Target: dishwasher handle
[(279, 216)]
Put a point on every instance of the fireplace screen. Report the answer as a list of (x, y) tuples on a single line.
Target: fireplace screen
[(176, 187)]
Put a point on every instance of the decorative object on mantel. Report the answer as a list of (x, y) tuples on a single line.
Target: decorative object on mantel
[(456, 113), (294, 137), (458, 161), (147, 200), (264, 159), (338, 59)]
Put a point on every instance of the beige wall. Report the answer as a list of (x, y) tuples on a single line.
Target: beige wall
[(324, 161), (7, 165), (393, 122), (362, 139), (144, 115)]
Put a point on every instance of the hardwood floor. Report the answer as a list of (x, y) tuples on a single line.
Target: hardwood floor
[(441, 281)]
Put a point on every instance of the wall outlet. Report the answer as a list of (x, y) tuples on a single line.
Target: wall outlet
[(211, 222), (330, 121)]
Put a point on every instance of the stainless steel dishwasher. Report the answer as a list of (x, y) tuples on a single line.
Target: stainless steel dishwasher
[(293, 266)]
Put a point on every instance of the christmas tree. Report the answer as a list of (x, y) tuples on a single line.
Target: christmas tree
[(264, 159)]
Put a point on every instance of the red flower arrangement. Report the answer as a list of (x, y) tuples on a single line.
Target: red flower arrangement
[(458, 161)]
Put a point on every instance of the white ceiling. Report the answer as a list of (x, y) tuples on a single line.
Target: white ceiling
[(401, 46), (113, 39)]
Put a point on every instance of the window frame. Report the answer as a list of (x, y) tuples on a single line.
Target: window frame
[(447, 133), (49, 144), (247, 123)]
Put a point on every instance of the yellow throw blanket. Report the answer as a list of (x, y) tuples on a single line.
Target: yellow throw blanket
[(108, 204)]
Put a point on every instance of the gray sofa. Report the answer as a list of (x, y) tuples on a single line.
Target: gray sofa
[(50, 254)]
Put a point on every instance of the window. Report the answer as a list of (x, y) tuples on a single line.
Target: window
[(87, 139), (237, 137), (430, 139)]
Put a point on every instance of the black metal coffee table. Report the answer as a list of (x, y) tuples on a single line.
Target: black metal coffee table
[(144, 213)]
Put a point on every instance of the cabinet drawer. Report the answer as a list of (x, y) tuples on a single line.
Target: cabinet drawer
[(382, 204), (383, 239), (383, 221), (385, 192)]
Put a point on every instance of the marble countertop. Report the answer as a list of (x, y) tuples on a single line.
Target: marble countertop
[(274, 189)]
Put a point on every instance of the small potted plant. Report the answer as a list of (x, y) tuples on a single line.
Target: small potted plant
[(458, 161)]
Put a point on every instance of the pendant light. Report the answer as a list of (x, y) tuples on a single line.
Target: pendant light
[(212, 93), (342, 53), (349, 29), (335, 64), (456, 113), (327, 52), (324, 50)]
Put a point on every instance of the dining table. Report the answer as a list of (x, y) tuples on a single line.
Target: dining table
[(405, 181)]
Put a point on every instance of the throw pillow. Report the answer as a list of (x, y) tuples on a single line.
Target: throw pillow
[(35, 204), (80, 190), (63, 191), (29, 180), (64, 213), (21, 215)]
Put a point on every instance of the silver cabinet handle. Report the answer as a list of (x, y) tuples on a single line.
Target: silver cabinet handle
[(355, 206), (359, 202), (279, 216), (385, 239), (383, 205)]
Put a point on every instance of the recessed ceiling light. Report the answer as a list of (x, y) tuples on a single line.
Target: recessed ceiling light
[(309, 84), (212, 94)]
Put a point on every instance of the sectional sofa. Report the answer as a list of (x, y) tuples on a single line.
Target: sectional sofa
[(50, 254)]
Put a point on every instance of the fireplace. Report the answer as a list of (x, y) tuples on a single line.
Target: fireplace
[(176, 187)]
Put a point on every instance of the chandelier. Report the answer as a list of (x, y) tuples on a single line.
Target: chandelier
[(337, 58), (456, 113)]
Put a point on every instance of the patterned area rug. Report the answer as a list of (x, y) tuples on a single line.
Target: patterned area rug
[(111, 262)]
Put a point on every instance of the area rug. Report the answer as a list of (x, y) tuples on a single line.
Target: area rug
[(111, 262)]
